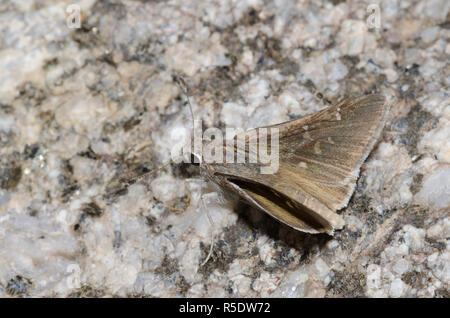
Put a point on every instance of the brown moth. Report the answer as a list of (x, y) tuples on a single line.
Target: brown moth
[(320, 156)]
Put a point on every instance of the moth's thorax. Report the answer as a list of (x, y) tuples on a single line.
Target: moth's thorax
[(209, 173), (206, 170)]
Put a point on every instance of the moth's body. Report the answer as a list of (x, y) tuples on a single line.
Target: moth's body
[(320, 156)]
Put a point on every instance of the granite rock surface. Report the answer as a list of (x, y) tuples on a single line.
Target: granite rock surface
[(86, 109)]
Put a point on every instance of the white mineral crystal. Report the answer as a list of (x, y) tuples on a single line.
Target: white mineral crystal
[(435, 191), (352, 37), (373, 281), (83, 111), (414, 237)]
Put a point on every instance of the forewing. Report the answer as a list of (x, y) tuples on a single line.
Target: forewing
[(320, 157)]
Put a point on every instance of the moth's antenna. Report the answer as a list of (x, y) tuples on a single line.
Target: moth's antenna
[(185, 89)]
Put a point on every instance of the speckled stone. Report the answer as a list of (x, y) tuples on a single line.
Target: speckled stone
[(83, 112)]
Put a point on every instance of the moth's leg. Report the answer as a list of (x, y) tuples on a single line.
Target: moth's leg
[(131, 177), (213, 237), (204, 208), (142, 178), (214, 195)]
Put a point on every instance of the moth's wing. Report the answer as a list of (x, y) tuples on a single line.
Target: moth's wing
[(333, 145), (285, 209), (319, 160)]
